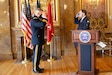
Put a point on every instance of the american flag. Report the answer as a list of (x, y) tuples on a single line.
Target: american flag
[(26, 27)]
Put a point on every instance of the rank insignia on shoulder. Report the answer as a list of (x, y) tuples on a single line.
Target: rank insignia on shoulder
[(88, 21), (35, 17)]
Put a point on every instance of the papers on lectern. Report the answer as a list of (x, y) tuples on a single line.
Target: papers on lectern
[(102, 44)]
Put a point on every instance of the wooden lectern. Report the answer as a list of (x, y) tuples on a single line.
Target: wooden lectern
[(86, 40)]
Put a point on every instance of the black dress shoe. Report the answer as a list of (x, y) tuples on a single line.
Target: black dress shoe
[(38, 71)]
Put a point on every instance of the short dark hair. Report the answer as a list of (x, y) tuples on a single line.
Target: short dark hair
[(84, 11), (39, 9)]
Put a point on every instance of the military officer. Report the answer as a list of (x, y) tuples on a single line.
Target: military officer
[(38, 23)]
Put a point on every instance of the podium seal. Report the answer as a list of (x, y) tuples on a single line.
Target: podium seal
[(84, 36)]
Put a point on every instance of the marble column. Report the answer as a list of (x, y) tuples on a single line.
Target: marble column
[(19, 35), (5, 36)]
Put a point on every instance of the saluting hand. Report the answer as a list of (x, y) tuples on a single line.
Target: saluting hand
[(44, 15), (77, 15)]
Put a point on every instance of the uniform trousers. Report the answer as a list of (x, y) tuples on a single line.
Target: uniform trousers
[(37, 51)]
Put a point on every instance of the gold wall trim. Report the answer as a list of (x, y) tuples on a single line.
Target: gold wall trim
[(44, 6), (109, 28)]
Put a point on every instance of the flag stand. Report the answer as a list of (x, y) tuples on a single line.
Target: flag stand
[(25, 59), (51, 52)]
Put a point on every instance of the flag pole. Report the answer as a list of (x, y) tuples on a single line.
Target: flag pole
[(51, 51), (25, 58)]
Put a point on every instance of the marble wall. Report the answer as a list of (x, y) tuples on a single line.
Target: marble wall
[(67, 9), (9, 19), (5, 36)]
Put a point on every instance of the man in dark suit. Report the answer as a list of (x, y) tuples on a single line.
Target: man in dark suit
[(82, 21), (38, 23)]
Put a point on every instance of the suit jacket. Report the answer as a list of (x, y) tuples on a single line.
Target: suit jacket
[(37, 27), (82, 25)]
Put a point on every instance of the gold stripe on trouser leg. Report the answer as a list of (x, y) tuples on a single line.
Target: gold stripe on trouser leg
[(35, 58)]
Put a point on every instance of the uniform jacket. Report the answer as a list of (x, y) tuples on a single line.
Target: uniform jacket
[(37, 27), (82, 25)]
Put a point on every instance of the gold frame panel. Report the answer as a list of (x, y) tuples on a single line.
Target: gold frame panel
[(57, 13), (44, 5), (109, 28)]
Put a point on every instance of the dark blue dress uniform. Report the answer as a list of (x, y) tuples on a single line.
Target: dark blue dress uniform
[(83, 24), (37, 26)]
